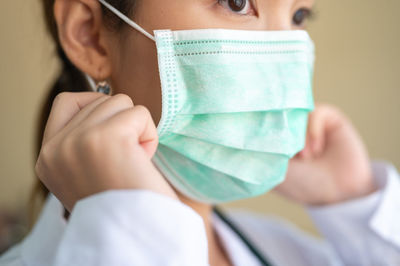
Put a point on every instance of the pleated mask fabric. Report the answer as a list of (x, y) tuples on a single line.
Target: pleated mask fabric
[(235, 107)]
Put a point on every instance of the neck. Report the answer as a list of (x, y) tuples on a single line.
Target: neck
[(217, 255)]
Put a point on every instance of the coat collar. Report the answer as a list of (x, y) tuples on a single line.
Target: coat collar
[(41, 245)]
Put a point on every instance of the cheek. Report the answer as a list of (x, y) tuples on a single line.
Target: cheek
[(135, 72)]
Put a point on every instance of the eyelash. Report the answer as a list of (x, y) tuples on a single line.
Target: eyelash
[(249, 5), (307, 12)]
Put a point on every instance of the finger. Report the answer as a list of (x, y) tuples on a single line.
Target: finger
[(138, 123), (306, 152), (320, 122), (83, 114), (109, 108), (65, 106), (314, 132)]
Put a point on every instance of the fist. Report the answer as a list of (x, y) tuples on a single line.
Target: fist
[(94, 143)]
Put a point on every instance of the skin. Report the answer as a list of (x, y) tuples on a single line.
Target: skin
[(94, 143)]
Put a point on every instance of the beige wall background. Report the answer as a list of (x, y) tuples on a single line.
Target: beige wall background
[(357, 69)]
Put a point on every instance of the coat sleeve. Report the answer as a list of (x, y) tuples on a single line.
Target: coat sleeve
[(366, 231), (12, 257), (132, 228)]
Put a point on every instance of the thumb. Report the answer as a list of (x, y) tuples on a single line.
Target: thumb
[(141, 126)]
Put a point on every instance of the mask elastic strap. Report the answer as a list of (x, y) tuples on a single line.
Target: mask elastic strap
[(127, 20), (91, 82)]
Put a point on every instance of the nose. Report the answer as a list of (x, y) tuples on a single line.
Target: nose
[(275, 15), (278, 22)]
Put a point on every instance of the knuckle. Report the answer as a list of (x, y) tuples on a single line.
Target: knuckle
[(146, 115), (124, 99), (44, 160), (142, 110), (39, 167), (40, 172), (61, 97), (45, 153)]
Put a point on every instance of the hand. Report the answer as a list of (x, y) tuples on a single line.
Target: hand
[(94, 143), (334, 165)]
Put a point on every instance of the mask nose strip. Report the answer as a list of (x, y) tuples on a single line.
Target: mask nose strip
[(127, 20)]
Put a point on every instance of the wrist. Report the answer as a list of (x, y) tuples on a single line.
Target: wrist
[(363, 190), (356, 190)]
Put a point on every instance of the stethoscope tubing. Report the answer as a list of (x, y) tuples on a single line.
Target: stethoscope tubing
[(242, 237)]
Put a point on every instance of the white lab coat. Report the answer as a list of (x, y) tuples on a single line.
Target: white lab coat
[(118, 228)]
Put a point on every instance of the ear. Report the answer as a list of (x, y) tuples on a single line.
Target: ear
[(83, 37)]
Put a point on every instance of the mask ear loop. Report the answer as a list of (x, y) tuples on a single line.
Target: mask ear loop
[(127, 20), (91, 82)]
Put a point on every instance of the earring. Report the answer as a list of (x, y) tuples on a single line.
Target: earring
[(103, 87)]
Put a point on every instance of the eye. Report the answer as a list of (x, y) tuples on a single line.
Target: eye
[(242, 7), (301, 15)]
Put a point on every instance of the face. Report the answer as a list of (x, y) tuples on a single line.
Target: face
[(133, 57)]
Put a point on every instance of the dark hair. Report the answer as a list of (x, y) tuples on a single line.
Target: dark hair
[(70, 79)]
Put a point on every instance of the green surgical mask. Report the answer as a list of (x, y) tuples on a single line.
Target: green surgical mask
[(235, 106)]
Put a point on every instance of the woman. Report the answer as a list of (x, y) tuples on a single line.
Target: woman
[(235, 102)]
